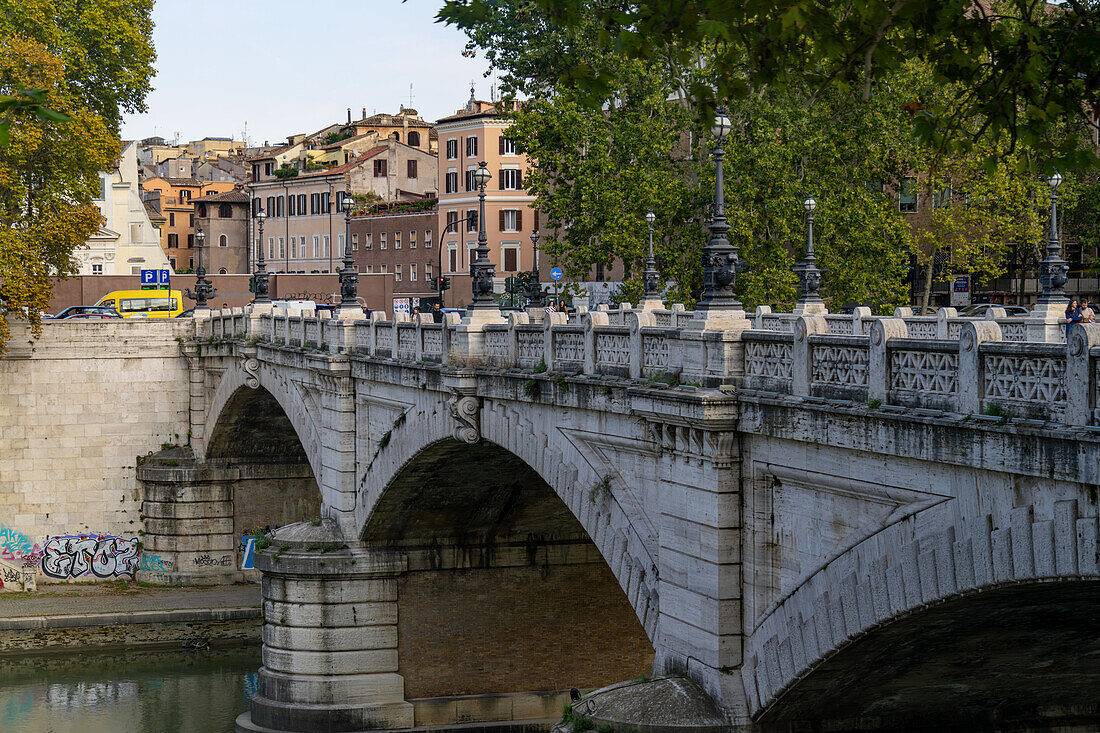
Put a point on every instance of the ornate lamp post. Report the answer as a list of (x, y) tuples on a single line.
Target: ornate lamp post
[(349, 279), (1053, 270), (808, 273), (261, 277), (533, 286), (481, 269), (719, 256), (203, 287), (651, 279)]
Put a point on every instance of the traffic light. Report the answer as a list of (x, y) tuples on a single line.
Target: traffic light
[(445, 283), (252, 284)]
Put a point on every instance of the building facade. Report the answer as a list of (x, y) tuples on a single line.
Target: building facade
[(224, 219), (174, 198), (477, 133), (127, 242), (403, 245)]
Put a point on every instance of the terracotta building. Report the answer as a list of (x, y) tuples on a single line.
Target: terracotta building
[(173, 198), (224, 219), (401, 244), (474, 134)]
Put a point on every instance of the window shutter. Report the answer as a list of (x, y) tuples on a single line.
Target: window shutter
[(501, 140), (519, 179), (500, 179), (502, 220), (519, 220)]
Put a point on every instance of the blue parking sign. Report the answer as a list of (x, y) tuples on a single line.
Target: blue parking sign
[(165, 277), (148, 277)]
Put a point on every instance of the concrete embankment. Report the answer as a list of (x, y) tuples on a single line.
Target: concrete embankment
[(97, 616)]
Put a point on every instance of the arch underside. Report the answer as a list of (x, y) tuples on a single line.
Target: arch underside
[(505, 591), (252, 426), (1026, 654)]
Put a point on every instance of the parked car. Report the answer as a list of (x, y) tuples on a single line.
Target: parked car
[(981, 309), (87, 311), (189, 313)]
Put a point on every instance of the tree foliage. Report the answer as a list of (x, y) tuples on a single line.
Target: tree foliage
[(71, 68), (1015, 66)]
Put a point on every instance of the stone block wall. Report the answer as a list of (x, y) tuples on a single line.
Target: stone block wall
[(77, 407), (516, 629)]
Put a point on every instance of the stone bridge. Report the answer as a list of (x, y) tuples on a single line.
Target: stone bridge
[(839, 521)]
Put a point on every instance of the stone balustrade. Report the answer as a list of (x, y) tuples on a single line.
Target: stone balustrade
[(969, 366)]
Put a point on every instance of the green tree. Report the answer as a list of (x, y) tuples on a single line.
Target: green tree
[(82, 64)]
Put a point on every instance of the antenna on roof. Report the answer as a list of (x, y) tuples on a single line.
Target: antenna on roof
[(410, 96)]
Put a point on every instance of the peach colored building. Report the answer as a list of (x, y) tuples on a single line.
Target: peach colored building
[(474, 134), (173, 198)]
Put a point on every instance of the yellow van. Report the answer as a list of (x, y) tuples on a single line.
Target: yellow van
[(144, 303)]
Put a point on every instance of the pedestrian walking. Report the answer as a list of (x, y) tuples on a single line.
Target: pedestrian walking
[(1073, 315), (437, 313)]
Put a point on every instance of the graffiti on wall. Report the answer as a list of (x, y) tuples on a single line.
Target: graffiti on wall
[(154, 564), (75, 556), (13, 541)]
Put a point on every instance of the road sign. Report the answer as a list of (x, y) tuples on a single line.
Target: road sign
[(556, 273), (960, 291), (148, 277), (165, 277), (248, 548)]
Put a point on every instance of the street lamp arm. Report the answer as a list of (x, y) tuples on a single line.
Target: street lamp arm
[(439, 249)]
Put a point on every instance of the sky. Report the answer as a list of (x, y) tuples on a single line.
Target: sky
[(281, 67)]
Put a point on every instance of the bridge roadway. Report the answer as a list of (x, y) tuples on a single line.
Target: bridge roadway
[(826, 520)]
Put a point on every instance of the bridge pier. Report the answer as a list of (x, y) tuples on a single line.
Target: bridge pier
[(330, 636)]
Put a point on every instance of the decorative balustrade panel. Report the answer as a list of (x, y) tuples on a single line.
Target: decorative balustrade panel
[(784, 323), (1035, 384), (664, 320), (312, 331), (431, 341), (613, 350), (655, 351), (1013, 330), (530, 346), (362, 338), (768, 363), (925, 372), (568, 345), (383, 338), (840, 325), (496, 344), (840, 364), (922, 328), (683, 318), (406, 341)]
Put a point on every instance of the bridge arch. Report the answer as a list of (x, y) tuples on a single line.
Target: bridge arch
[(498, 562), (882, 603)]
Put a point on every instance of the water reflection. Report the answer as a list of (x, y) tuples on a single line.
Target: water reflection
[(138, 692)]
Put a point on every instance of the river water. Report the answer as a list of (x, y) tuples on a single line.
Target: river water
[(127, 692)]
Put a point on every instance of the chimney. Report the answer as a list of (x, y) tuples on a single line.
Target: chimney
[(364, 114), (349, 115)]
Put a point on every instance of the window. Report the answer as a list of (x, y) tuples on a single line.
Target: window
[(314, 203), (293, 244), (190, 241), (282, 248), (171, 218), (412, 239), (397, 240), (510, 179), (271, 206), (174, 241), (222, 271), (191, 262), (301, 204), (255, 172), (380, 169), (511, 220), (382, 268), (339, 245), (135, 231), (370, 268), (190, 220), (511, 259), (470, 186), (507, 146), (471, 147), (326, 203), (269, 169), (271, 248), (907, 196), (452, 182), (368, 242), (412, 272), (411, 165), (316, 246), (202, 210), (414, 140), (397, 272), (381, 240), (171, 262), (427, 238), (223, 241), (452, 221), (452, 256), (325, 251), (355, 242), (941, 199), (452, 149), (225, 211), (185, 195), (471, 220), (98, 269), (290, 205), (428, 271), (255, 207), (339, 201)]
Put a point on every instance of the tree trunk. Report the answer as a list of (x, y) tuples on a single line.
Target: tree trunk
[(928, 285)]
